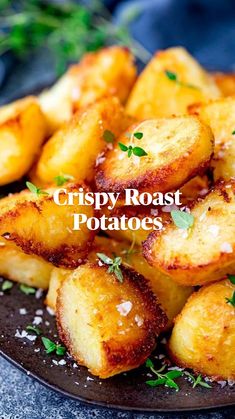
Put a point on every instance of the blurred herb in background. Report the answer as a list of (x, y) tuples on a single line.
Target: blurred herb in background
[(67, 29)]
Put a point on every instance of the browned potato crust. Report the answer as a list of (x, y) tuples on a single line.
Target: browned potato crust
[(177, 149), (56, 279), (156, 95), (73, 150), (26, 269), (219, 115), (108, 72), (22, 132), (171, 296), (205, 253), (225, 83), (195, 188), (108, 326), (40, 227), (203, 337)]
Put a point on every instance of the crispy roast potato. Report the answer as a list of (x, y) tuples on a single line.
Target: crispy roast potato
[(39, 226), (177, 149), (171, 82), (171, 296), (219, 115), (110, 71), (26, 269), (203, 337), (225, 83), (73, 150), (22, 132), (108, 326), (205, 253), (56, 279)]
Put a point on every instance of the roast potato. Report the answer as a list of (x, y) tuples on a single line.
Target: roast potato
[(225, 83), (171, 82), (205, 253), (108, 326), (110, 71), (22, 132), (171, 296), (195, 188), (177, 149), (56, 279), (203, 337), (219, 115), (26, 269), (73, 149), (38, 226)]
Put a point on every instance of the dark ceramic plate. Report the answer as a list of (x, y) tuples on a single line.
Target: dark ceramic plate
[(126, 391)]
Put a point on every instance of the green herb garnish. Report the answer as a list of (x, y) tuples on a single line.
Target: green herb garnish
[(138, 135), (137, 151), (231, 300), (182, 219), (50, 347), (174, 77), (35, 190), (233, 133), (163, 378), (59, 25), (114, 263), (34, 329), (7, 285), (27, 290), (62, 179), (108, 136), (231, 278), (131, 250), (197, 381)]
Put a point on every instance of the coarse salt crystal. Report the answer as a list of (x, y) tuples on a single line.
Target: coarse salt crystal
[(21, 335), (39, 312), (22, 311), (154, 212), (39, 293), (124, 308), (62, 362), (139, 320), (37, 320), (226, 248), (214, 230), (50, 311), (169, 208), (31, 337)]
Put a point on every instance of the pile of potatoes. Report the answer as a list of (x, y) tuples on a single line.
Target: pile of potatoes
[(186, 118)]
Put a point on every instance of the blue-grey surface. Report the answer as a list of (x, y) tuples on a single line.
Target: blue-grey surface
[(207, 29)]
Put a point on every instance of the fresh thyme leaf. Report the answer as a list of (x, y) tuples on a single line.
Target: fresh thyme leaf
[(35, 190), (60, 180), (26, 289), (131, 250), (233, 133), (163, 378), (34, 329), (204, 384), (196, 380), (182, 219), (138, 135), (114, 265), (109, 136), (7, 285), (60, 350), (49, 345), (123, 147), (140, 152), (231, 278), (171, 75), (231, 300)]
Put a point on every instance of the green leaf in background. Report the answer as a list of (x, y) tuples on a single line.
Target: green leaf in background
[(108, 136), (7, 285), (34, 329), (182, 219), (138, 135), (27, 290), (140, 152), (231, 278)]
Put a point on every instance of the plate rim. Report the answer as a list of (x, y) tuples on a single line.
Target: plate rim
[(89, 402)]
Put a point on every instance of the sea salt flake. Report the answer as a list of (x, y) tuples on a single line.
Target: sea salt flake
[(139, 320), (226, 248), (38, 293), (50, 311), (22, 311), (62, 362), (39, 312), (169, 208), (154, 212), (31, 337), (124, 308), (20, 335), (37, 320)]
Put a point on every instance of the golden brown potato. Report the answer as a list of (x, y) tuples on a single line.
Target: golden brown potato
[(56, 279), (110, 71), (171, 296), (171, 82), (177, 149), (195, 188), (219, 115), (203, 337), (22, 132), (108, 326), (74, 149), (39, 226), (26, 269), (225, 83), (207, 251)]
